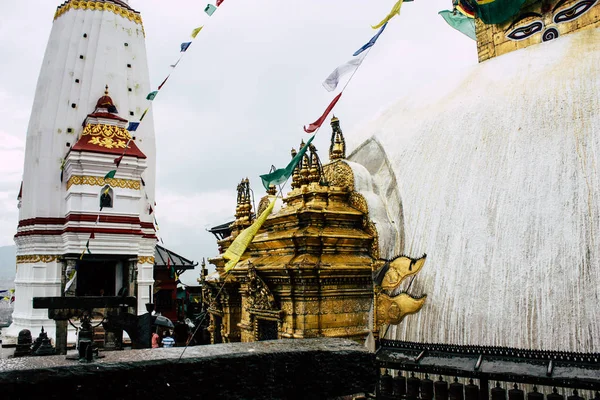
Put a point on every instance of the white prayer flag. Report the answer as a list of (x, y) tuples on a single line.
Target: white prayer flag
[(334, 78)]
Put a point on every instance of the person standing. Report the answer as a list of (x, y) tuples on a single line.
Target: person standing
[(168, 341)]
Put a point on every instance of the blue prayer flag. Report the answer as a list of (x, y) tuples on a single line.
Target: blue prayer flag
[(371, 42), (185, 46), (133, 126)]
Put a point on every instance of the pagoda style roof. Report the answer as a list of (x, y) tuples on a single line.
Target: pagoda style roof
[(105, 132), (164, 257)]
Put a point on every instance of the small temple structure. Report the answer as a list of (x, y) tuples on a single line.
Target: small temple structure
[(81, 233), (307, 272)]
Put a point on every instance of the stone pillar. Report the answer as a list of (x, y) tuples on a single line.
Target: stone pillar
[(62, 326)]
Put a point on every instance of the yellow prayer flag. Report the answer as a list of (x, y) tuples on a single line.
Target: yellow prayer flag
[(196, 31), (241, 243), (395, 11)]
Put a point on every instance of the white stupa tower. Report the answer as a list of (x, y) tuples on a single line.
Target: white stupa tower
[(94, 80)]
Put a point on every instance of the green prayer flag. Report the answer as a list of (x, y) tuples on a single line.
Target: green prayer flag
[(152, 95), (497, 11), (460, 22), (111, 174), (210, 9), (281, 175)]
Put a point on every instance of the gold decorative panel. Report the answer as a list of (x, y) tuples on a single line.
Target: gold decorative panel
[(339, 174), (108, 136), (33, 259), (100, 181), (537, 22), (146, 260), (98, 6)]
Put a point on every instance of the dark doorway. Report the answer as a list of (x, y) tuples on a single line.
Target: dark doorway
[(218, 321), (267, 330), (96, 278)]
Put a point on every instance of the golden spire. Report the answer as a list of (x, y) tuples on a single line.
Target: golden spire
[(337, 149), (106, 90), (243, 210), (296, 173), (316, 169)]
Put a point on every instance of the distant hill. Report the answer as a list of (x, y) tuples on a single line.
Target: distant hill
[(7, 263)]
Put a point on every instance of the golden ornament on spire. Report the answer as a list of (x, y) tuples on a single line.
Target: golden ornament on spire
[(337, 149)]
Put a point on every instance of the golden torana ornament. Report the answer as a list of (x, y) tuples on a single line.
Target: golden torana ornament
[(400, 269), (108, 136), (146, 260), (392, 310), (35, 258), (98, 6), (100, 181)]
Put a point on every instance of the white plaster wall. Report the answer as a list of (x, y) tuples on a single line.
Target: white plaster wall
[(497, 175), (105, 62), (44, 195)]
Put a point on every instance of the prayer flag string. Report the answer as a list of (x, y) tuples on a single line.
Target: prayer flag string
[(133, 127)]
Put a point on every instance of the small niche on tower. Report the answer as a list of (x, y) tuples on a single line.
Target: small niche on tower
[(128, 65), (85, 35), (106, 197)]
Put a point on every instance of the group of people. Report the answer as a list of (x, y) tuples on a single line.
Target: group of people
[(162, 338)]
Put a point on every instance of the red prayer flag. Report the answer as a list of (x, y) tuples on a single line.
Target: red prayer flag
[(92, 236), (219, 2), (165, 81), (317, 124), (118, 161)]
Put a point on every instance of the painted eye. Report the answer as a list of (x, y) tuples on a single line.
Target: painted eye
[(526, 31), (574, 12)]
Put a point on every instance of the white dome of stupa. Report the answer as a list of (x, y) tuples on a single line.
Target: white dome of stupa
[(495, 177)]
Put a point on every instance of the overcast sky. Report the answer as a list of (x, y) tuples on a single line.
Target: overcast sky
[(238, 101)]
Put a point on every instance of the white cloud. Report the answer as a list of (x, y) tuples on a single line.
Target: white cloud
[(199, 210)]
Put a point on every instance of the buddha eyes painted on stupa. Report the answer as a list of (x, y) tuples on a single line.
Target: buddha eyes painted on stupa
[(525, 26), (530, 22), (571, 13)]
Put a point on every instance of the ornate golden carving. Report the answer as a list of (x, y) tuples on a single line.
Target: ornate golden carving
[(392, 310), (108, 136), (99, 6), (146, 260), (372, 230), (358, 201), (32, 259), (259, 294), (399, 269), (339, 174), (100, 181)]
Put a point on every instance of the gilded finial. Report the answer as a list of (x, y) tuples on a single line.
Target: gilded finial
[(337, 148), (106, 90)]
